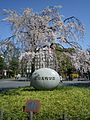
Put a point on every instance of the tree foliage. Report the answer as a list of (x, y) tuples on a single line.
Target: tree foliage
[(14, 67), (34, 30), (64, 61), (1, 63)]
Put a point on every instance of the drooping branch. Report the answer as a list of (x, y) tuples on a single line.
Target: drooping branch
[(75, 24), (45, 26), (33, 30)]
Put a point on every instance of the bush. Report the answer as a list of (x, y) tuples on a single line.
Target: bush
[(75, 75), (69, 100)]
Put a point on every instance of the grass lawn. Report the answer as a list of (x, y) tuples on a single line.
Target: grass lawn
[(69, 100)]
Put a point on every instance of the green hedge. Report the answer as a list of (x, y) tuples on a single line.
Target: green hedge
[(69, 100), (74, 75)]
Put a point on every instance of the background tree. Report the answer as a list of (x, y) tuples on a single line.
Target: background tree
[(13, 67), (2, 65), (10, 54), (1, 62), (64, 61)]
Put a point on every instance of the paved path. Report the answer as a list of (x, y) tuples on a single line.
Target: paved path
[(7, 84), (83, 83)]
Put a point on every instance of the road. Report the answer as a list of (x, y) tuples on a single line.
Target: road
[(83, 83), (8, 84)]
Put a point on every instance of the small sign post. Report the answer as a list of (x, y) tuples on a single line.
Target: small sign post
[(32, 106), (30, 115)]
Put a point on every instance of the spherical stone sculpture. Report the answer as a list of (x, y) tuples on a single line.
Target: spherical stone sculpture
[(45, 78)]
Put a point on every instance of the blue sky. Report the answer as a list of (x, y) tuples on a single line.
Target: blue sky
[(77, 8)]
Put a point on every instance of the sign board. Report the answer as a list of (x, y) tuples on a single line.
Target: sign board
[(32, 106)]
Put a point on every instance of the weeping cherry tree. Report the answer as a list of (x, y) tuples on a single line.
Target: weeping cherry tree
[(34, 30)]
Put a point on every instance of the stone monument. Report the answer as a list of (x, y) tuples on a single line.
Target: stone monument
[(45, 78)]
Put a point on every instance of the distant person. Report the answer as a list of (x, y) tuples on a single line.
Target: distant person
[(18, 76)]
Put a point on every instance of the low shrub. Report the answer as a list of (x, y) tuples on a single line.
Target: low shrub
[(69, 100), (74, 75)]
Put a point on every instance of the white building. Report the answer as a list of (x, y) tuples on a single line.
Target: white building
[(43, 57)]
